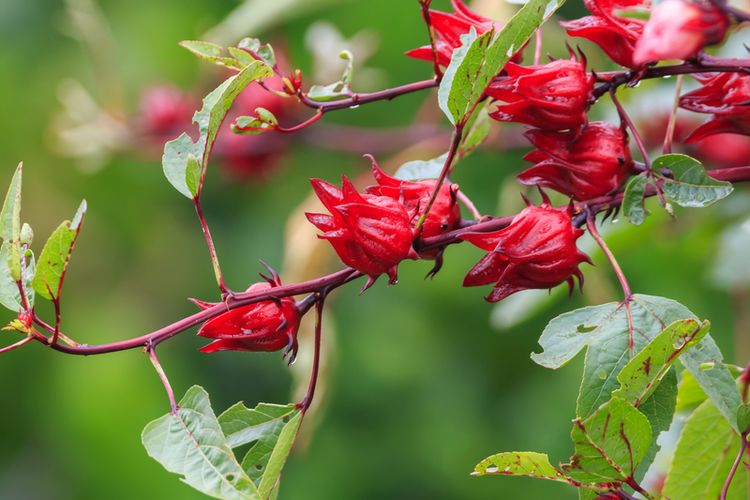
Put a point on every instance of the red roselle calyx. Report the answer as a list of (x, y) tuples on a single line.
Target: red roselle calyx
[(592, 164), (536, 251), (616, 36), (270, 325), (727, 96), (445, 214), (448, 29), (552, 96), (678, 29), (370, 233)]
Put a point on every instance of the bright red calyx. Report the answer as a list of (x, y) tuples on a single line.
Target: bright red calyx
[(370, 233), (445, 213), (448, 29), (616, 36), (594, 163), (552, 96), (727, 97), (678, 30), (536, 251), (263, 326)]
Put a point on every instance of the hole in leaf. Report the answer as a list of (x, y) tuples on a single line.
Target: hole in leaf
[(286, 419), (230, 477), (259, 466), (491, 469), (585, 328)]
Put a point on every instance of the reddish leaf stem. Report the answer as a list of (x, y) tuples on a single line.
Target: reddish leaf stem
[(211, 248), (16, 345), (304, 405), (627, 294), (452, 150), (425, 8), (151, 352)]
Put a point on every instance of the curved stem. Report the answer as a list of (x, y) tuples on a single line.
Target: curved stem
[(735, 465), (627, 294), (425, 8), (365, 98), (151, 352), (452, 150)]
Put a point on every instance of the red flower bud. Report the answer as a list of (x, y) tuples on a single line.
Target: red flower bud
[(370, 233), (445, 213), (727, 96), (263, 326), (553, 96), (448, 29), (615, 35), (678, 30), (593, 164), (536, 251)]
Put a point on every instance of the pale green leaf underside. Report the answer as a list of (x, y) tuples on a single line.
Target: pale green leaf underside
[(690, 185), (603, 330)]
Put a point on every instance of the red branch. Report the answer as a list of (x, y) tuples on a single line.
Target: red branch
[(339, 278)]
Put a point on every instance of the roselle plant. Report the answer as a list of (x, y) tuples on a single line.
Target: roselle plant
[(647, 357)]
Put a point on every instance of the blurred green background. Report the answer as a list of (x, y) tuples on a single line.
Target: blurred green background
[(423, 382)]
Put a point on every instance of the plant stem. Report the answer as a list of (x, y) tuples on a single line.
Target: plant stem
[(339, 278), (308, 399), (629, 123), (452, 150), (425, 8), (211, 248), (151, 351), (17, 344), (669, 135), (365, 98), (735, 465), (627, 294)]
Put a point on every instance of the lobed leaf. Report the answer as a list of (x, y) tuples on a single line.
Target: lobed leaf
[(603, 330), (191, 443)]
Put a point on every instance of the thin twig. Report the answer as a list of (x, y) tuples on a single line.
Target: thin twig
[(452, 150), (16, 345), (425, 8), (735, 465)]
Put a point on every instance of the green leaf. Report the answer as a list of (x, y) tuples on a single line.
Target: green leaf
[(520, 463), (603, 330), (644, 372), (609, 444), (480, 58), (689, 393), (215, 106), (264, 51), (10, 223), (705, 452), (278, 456), (690, 185), (263, 121), (478, 128), (418, 170), (261, 426), (10, 297), (743, 417), (659, 409), (336, 90), (55, 256), (211, 52), (633, 200), (193, 172), (191, 443)]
